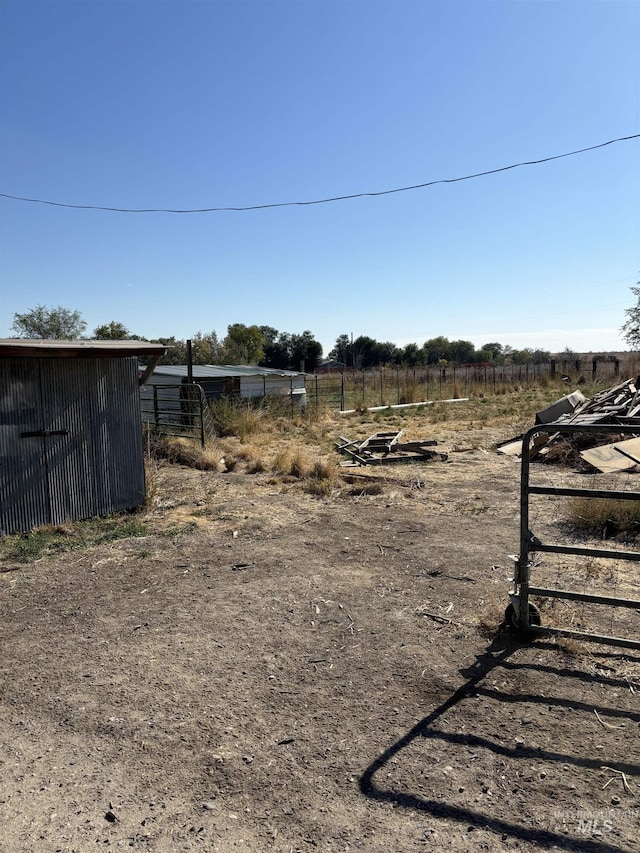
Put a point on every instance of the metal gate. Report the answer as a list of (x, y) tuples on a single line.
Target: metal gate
[(179, 410), (523, 614)]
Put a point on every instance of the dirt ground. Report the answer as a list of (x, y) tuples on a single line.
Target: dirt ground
[(269, 670)]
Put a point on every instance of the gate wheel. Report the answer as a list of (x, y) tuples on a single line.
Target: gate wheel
[(512, 621)]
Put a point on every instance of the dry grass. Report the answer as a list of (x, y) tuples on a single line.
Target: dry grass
[(604, 516), (253, 459), (185, 451), (299, 446), (291, 463), (319, 476), (237, 418)]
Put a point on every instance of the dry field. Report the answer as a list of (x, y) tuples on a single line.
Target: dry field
[(274, 655)]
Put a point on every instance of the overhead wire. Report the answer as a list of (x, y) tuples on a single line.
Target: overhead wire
[(321, 200)]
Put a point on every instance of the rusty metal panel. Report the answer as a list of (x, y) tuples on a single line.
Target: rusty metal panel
[(70, 440)]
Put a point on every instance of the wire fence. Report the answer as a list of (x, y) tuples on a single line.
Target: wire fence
[(185, 410), (397, 386)]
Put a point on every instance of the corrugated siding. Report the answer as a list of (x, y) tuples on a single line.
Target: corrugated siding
[(95, 466), (254, 386), (24, 494), (119, 455)]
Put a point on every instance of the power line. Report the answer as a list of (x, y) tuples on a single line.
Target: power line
[(320, 200)]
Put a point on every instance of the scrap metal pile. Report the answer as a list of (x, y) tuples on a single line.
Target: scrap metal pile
[(617, 406), (383, 448)]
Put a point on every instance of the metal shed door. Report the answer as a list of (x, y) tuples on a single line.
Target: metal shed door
[(24, 492), (70, 440)]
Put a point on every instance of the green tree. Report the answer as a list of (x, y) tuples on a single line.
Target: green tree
[(177, 352), (540, 356), (243, 344), (342, 351), (49, 323), (205, 348), (631, 328), (290, 352), (306, 352), (388, 353), (411, 355), (437, 350), (462, 352), (112, 331), (496, 350), (522, 356), (484, 355), (364, 355), (276, 348)]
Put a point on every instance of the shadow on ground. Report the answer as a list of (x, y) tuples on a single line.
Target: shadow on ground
[(497, 816)]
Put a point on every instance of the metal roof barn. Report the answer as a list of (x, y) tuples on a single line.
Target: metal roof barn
[(70, 430)]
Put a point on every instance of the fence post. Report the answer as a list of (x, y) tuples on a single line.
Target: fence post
[(291, 393), (156, 413), (203, 403), (342, 392), (381, 374)]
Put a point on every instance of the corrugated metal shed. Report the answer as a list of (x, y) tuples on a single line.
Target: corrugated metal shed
[(245, 381), (70, 432), (219, 371)]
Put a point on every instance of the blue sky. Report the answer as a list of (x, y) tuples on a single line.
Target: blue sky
[(153, 104)]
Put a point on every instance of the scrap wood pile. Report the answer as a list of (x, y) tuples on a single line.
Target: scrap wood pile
[(383, 448), (617, 406)]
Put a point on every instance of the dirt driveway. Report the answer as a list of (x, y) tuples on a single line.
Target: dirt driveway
[(269, 670)]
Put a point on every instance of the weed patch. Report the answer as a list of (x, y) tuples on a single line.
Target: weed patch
[(45, 541)]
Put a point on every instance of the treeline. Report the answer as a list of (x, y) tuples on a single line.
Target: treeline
[(262, 345), (365, 352), (268, 347)]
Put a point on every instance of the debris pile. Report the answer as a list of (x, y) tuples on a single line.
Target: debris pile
[(383, 448), (617, 406)]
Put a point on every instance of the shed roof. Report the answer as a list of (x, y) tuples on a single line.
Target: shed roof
[(221, 371), (39, 348)]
